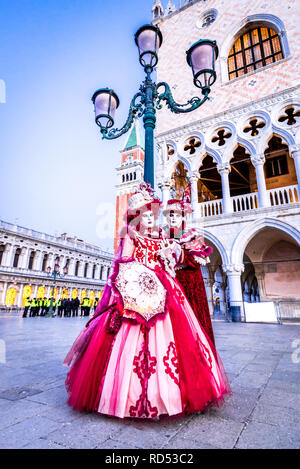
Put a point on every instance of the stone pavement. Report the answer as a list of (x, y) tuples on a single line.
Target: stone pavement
[(261, 364)]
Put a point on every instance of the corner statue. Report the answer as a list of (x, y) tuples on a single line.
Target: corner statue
[(144, 353)]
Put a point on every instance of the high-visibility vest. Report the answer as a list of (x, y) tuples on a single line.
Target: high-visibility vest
[(48, 302), (59, 303), (32, 303), (27, 302), (86, 302)]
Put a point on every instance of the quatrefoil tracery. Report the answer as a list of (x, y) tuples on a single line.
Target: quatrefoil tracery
[(193, 144), (254, 127), (290, 116), (221, 137)]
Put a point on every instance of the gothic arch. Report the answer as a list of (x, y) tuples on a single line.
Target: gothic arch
[(245, 236), (258, 19), (286, 136), (223, 253)]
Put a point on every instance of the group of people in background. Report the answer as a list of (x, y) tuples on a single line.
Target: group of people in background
[(63, 307)]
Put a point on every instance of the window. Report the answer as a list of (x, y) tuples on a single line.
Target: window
[(276, 166), (31, 258), (2, 248), (16, 258), (76, 269), (45, 259), (254, 49)]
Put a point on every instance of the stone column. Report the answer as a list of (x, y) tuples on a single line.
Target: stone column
[(209, 293), (37, 263), (234, 272), (222, 298), (194, 195), (97, 271), (50, 261), (81, 269), (3, 295), (224, 170), (71, 269), (48, 290), (9, 250), (20, 295), (260, 275), (35, 290), (165, 190), (89, 272), (296, 156), (263, 197)]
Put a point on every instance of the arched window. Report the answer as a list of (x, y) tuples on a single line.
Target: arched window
[(76, 268), (31, 258), (94, 270), (16, 258), (45, 259), (101, 272), (2, 248), (85, 269), (254, 49)]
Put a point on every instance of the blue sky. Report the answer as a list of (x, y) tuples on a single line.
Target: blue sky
[(55, 170)]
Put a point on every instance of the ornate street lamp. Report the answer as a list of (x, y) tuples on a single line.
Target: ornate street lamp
[(201, 58), (54, 274)]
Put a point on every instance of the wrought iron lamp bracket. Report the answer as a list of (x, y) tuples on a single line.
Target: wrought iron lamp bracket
[(177, 108)]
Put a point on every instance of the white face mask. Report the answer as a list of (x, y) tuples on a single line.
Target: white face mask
[(175, 219), (147, 219)]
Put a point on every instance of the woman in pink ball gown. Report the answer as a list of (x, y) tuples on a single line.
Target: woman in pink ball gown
[(144, 353)]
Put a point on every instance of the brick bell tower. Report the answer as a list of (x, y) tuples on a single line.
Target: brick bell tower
[(130, 174)]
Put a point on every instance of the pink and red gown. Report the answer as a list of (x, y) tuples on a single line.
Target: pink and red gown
[(125, 366), (191, 280)]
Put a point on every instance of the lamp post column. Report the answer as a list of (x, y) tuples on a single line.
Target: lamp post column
[(149, 120)]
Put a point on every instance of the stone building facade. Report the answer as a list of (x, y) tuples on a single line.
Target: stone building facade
[(240, 151), (26, 254)]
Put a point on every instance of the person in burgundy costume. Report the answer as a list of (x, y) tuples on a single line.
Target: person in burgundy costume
[(195, 254)]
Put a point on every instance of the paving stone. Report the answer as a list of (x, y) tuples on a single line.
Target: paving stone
[(86, 432), (18, 411), (113, 444), (275, 415), (238, 407), (56, 396), (41, 443), (257, 358), (260, 435), (277, 398), (213, 430), (253, 379), (147, 435), (178, 442), (22, 433), (15, 394)]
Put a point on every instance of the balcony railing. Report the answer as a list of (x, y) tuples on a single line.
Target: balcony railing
[(284, 195), (211, 208), (246, 202)]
